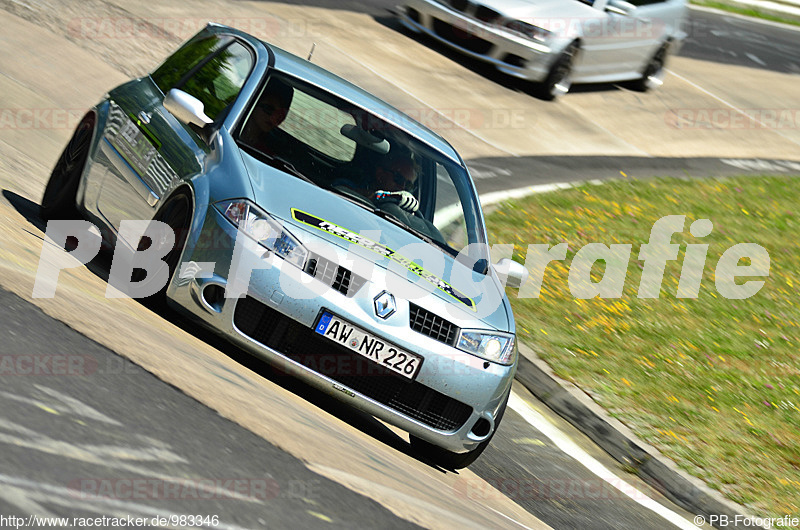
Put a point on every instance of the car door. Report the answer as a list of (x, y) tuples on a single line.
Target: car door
[(149, 149), (663, 19), (644, 30), (610, 40)]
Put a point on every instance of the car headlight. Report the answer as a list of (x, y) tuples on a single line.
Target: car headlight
[(492, 346), (264, 228), (528, 31)]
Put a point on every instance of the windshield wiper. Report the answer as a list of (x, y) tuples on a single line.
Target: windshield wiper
[(289, 167), (353, 199), (279, 163), (420, 234), (394, 220)]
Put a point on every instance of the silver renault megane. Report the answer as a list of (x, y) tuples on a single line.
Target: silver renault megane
[(314, 226)]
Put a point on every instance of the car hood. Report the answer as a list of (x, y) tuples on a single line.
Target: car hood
[(312, 213), (549, 14)]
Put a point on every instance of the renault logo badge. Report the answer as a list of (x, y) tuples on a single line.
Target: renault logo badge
[(384, 305)]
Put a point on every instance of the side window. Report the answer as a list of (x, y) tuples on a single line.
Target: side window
[(208, 70), (181, 63), (449, 216), (318, 124), (217, 82)]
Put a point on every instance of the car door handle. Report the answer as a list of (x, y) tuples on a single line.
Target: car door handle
[(144, 117)]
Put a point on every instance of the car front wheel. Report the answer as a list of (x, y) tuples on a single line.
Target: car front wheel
[(559, 79), (176, 213), (654, 72), (58, 201)]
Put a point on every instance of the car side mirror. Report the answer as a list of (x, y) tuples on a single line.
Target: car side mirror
[(620, 7), (512, 273), (186, 108)]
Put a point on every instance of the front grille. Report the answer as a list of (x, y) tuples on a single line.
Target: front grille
[(333, 275), (461, 38), (302, 345), (413, 14), (485, 14), (432, 325)]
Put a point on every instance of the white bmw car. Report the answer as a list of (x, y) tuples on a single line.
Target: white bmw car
[(558, 42)]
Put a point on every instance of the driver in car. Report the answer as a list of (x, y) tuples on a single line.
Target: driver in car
[(269, 112), (395, 178)]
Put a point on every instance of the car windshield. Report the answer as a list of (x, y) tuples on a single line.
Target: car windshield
[(315, 135)]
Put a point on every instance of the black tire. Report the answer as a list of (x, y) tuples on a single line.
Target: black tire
[(559, 79), (653, 74), (450, 460), (59, 198), (176, 212)]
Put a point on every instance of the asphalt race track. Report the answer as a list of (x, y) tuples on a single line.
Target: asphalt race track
[(133, 411)]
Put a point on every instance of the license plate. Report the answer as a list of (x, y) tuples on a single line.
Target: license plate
[(369, 346)]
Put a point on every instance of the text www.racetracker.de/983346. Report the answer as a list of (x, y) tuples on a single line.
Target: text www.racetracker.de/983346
[(34, 521)]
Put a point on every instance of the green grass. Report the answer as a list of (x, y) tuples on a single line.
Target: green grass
[(713, 383), (746, 11)]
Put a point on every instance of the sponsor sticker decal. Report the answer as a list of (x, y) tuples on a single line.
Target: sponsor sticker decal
[(383, 250)]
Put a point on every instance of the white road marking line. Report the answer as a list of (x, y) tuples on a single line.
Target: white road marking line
[(734, 107), (380, 492), (495, 197), (71, 405), (65, 497), (114, 457), (754, 20), (755, 59), (757, 164), (572, 449), (509, 518)]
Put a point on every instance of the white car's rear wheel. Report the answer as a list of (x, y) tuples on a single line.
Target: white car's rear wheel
[(654, 73)]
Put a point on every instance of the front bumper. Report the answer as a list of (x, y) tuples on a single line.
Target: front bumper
[(452, 402), (509, 53)]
